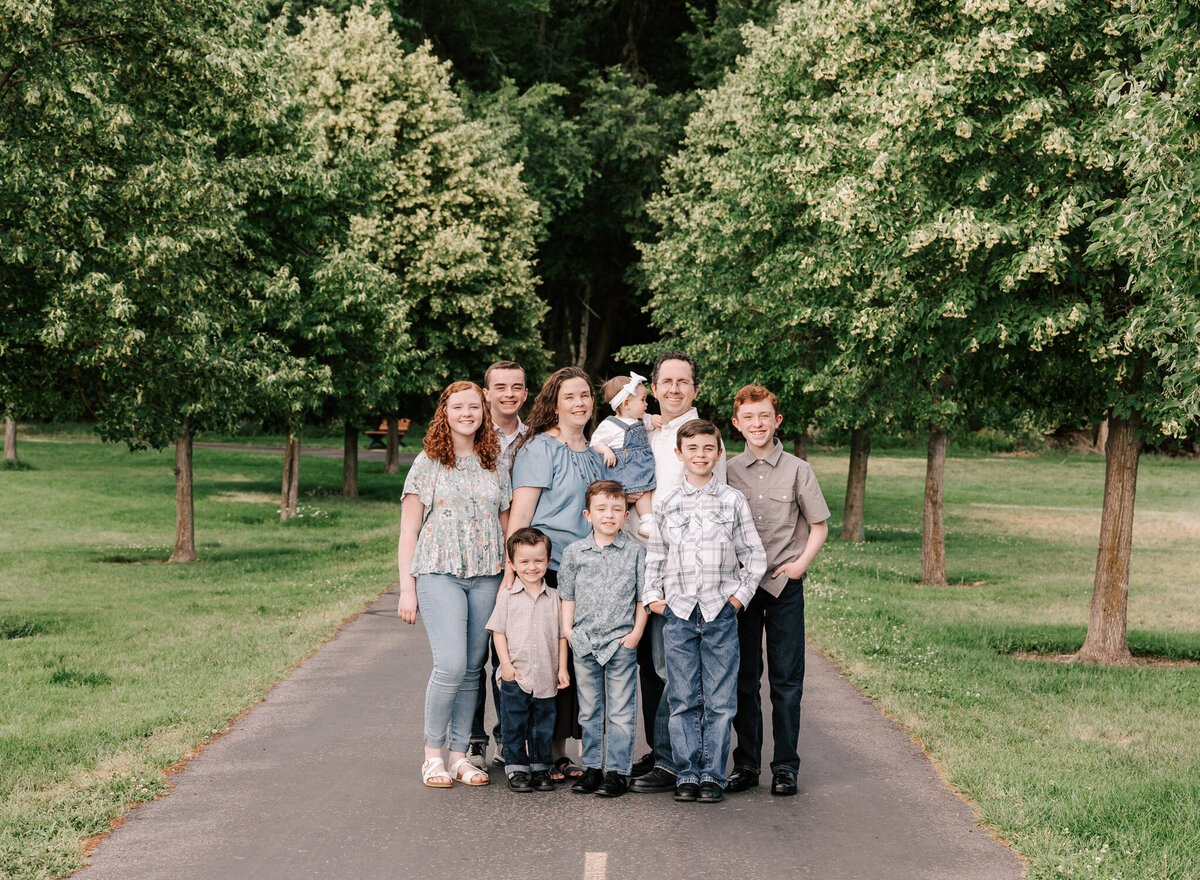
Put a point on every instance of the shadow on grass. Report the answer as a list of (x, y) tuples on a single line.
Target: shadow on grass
[(17, 466), (1055, 639), (23, 626)]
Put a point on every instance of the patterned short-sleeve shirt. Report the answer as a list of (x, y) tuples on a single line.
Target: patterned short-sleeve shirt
[(461, 534)]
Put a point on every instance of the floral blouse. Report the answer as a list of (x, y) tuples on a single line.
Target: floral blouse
[(461, 534)]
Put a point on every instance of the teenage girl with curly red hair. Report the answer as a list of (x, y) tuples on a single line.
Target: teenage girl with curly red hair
[(454, 513)]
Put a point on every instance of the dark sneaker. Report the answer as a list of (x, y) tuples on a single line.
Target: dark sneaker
[(742, 780), (614, 785), (541, 781), (498, 758), (643, 765), (687, 791), (589, 781), (656, 780), (477, 754), (519, 782), (783, 783)]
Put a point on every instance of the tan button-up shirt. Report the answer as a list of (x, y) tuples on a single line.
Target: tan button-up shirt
[(784, 498), (532, 625)]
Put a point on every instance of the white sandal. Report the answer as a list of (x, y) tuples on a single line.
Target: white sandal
[(431, 768), (467, 773)]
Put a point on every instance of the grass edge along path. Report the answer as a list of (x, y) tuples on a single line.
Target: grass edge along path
[(1086, 771), (125, 665)]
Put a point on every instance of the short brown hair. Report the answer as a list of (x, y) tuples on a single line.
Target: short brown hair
[(500, 365), (754, 394), (604, 487), (697, 428), (526, 537)]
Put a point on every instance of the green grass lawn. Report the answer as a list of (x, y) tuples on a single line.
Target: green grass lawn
[(1088, 772), (116, 665)]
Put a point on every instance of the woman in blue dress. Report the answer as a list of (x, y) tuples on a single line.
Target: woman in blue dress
[(551, 472)]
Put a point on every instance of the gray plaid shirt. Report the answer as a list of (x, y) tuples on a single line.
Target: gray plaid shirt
[(703, 549)]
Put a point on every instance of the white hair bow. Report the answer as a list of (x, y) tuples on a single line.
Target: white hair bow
[(621, 396)]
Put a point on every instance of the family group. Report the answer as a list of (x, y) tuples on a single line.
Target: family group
[(595, 561)]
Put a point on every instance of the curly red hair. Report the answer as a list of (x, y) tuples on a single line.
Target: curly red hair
[(438, 444)]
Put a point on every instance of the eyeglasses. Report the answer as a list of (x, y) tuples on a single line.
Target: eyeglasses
[(670, 384)]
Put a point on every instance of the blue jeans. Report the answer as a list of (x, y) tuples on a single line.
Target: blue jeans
[(608, 710), (525, 719), (478, 733), (660, 743), (702, 668), (454, 612), (782, 619)]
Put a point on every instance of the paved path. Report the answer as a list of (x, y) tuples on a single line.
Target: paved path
[(321, 781)]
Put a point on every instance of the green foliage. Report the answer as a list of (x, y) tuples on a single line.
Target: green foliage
[(449, 218), (122, 190), (899, 200)]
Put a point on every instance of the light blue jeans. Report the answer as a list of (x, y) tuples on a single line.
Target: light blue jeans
[(702, 671), (454, 612), (607, 710)]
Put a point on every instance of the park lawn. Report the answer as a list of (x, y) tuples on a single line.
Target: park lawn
[(1086, 771), (117, 665)]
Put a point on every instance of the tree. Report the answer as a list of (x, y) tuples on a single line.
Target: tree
[(945, 173), (1154, 339), (123, 198), (451, 220)]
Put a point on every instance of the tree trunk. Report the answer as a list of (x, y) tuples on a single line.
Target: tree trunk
[(800, 445), (391, 464), (933, 535), (1106, 642), (853, 517), (1100, 441), (185, 521), (350, 460), (10, 442), (291, 478)]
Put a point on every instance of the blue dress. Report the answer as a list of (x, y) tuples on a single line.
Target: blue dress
[(563, 475)]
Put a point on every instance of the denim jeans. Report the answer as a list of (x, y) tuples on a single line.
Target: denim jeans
[(608, 710), (660, 743), (782, 619), (487, 680), (702, 668), (454, 612), (525, 719)]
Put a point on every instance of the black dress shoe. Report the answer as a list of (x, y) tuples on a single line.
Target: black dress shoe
[(742, 780), (783, 782), (614, 785), (589, 781), (687, 791), (643, 765), (541, 781), (519, 782), (656, 780), (710, 793)]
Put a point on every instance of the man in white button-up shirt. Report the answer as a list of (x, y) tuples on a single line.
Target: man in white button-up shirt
[(673, 381)]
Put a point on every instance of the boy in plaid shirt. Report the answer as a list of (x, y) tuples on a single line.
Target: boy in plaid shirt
[(703, 564)]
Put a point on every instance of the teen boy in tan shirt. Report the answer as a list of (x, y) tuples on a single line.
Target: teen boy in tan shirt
[(790, 515)]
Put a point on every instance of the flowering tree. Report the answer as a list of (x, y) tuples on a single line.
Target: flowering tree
[(936, 194)]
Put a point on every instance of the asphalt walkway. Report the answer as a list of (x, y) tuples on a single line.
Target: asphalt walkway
[(321, 780)]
